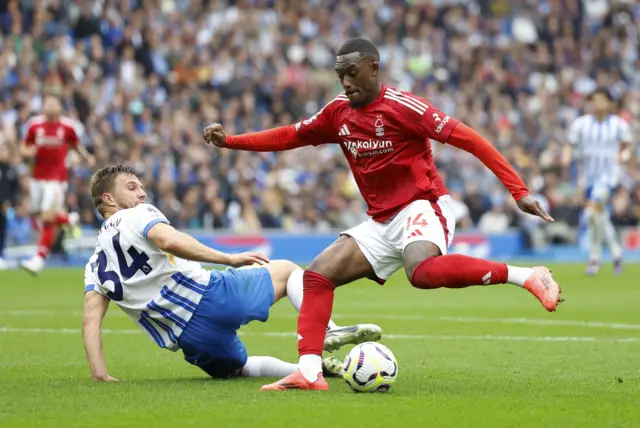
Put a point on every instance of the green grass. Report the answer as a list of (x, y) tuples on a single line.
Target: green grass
[(471, 361)]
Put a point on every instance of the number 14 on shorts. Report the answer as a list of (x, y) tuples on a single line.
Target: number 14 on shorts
[(415, 224)]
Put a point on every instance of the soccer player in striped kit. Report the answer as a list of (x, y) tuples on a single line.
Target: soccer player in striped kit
[(151, 271), (601, 142)]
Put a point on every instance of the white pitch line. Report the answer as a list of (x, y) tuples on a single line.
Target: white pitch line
[(572, 323), (386, 336), (529, 321)]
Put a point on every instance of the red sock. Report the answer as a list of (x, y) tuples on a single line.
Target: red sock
[(315, 313), (457, 271), (47, 237), (62, 218)]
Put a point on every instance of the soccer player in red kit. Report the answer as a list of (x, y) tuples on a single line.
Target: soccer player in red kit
[(47, 141), (384, 133)]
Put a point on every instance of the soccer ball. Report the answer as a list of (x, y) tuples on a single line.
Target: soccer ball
[(370, 367)]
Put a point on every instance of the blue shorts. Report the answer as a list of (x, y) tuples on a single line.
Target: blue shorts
[(233, 298)]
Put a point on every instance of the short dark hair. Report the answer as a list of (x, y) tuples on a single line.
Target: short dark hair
[(603, 91), (361, 45), (102, 182)]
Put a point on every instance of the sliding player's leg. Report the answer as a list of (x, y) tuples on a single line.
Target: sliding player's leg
[(234, 298), (429, 230)]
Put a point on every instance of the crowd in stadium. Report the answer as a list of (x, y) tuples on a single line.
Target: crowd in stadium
[(143, 78)]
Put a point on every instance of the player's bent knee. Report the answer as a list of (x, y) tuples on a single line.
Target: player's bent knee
[(424, 276), (342, 262), (416, 253), (280, 271), (48, 216)]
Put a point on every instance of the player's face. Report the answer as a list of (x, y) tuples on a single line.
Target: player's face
[(127, 192), (600, 103), (51, 107), (359, 80)]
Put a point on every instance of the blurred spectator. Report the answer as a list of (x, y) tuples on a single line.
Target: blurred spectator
[(145, 77), (494, 221)]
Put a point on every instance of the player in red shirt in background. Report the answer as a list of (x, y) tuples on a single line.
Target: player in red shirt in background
[(47, 141), (384, 133)]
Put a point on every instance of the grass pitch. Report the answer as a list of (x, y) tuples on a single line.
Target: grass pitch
[(479, 357)]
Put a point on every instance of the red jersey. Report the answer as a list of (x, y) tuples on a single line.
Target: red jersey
[(52, 140), (387, 146)]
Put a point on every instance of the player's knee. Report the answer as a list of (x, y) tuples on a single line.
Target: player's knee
[(422, 275), (48, 216), (416, 254), (329, 267), (280, 271)]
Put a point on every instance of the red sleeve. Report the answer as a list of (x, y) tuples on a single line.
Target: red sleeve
[(271, 140), (72, 136), (30, 137), (316, 130), (470, 141)]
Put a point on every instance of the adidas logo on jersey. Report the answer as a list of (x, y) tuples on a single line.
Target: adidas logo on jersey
[(344, 131)]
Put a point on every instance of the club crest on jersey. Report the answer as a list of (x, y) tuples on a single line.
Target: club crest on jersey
[(379, 127)]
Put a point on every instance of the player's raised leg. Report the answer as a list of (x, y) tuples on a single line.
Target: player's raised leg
[(428, 265), (339, 264)]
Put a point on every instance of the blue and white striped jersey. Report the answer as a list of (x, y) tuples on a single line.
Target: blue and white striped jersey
[(158, 291), (597, 146)]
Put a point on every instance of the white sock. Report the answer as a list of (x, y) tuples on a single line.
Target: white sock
[(295, 292), (310, 366), (294, 289), (267, 367), (611, 237), (518, 275), (596, 233)]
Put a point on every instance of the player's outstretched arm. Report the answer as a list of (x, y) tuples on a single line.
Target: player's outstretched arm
[(270, 140), (95, 307), (27, 150), (172, 241), (470, 141), (86, 156)]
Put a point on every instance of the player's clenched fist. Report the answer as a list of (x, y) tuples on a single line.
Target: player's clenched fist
[(214, 134)]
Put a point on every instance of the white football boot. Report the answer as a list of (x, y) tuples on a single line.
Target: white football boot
[(337, 337), (34, 265), (332, 367)]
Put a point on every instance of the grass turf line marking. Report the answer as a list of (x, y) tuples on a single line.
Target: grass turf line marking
[(387, 336), (530, 321), (572, 323)]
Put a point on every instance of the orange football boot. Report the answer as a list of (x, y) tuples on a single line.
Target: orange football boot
[(297, 381), (546, 290)]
